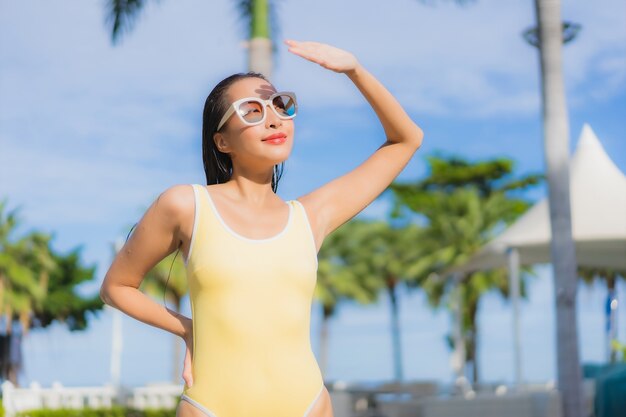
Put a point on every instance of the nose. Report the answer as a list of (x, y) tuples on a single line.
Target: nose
[(271, 119)]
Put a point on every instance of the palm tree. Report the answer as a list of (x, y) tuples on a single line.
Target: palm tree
[(357, 261), (43, 257), (62, 303), (37, 287), (461, 222), (462, 205), (24, 267), (258, 15), (168, 279), (383, 254), (340, 280)]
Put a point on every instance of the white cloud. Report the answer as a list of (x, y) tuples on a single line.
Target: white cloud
[(449, 60)]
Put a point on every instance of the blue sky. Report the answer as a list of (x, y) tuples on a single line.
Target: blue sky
[(90, 134)]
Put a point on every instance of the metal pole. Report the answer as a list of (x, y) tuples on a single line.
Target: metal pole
[(458, 362), (513, 265), (611, 324)]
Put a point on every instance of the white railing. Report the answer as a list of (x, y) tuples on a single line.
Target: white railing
[(154, 396), (539, 401), (35, 397)]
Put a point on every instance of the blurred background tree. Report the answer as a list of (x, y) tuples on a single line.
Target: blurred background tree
[(462, 205), (259, 17), (339, 281), (37, 287)]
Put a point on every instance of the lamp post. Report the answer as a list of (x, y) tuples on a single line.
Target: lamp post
[(570, 30), (514, 294), (549, 35)]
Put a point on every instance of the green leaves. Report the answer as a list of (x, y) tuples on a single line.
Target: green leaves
[(343, 273), (62, 303), (121, 16), (258, 16), (619, 347), (37, 285), (461, 205)]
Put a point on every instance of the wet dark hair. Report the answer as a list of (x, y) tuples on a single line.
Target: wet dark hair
[(218, 165)]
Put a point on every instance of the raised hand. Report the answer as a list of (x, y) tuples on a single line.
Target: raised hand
[(327, 56)]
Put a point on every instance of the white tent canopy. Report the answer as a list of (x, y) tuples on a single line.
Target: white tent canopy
[(598, 206)]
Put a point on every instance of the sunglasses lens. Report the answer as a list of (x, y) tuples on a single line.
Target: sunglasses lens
[(285, 106), (251, 111)]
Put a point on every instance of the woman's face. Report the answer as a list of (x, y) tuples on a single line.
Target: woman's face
[(247, 145)]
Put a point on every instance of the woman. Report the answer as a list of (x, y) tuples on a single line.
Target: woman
[(251, 257)]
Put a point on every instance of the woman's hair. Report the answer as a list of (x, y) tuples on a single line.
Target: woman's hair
[(218, 165)]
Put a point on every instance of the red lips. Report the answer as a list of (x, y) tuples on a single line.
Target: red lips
[(276, 136)]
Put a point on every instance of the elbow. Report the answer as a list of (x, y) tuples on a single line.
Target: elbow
[(105, 295), (416, 136)]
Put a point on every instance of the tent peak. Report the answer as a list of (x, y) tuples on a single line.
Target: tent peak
[(588, 137), (590, 160)]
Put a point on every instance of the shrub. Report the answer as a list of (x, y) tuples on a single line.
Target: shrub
[(115, 411)]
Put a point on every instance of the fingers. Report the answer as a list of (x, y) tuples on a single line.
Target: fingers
[(307, 50), (187, 374), (188, 378), (292, 42), (296, 47), (302, 46), (325, 55)]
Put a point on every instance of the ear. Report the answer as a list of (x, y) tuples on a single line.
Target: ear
[(220, 142)]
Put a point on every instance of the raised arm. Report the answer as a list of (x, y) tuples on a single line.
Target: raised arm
[(336, 202)]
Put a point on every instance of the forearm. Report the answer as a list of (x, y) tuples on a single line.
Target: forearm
[(397, 124), (136, 304)]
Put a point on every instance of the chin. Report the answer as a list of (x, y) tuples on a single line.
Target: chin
[(280, 160), (281, 154)]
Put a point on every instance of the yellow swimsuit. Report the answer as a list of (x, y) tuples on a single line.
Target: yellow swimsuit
[(251, 308)]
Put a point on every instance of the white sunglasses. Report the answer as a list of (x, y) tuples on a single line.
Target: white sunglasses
[(251, 110)]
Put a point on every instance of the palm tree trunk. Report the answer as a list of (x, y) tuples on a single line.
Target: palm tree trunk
[(260, 46), (11, 361), (472, 351), (395, 329), (611, 317), (17, 361), (459, 355), (556, 143), (2, 279)]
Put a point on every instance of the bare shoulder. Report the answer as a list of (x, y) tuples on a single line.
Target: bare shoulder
[(176, 202), (158, 233), (171, 210)]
